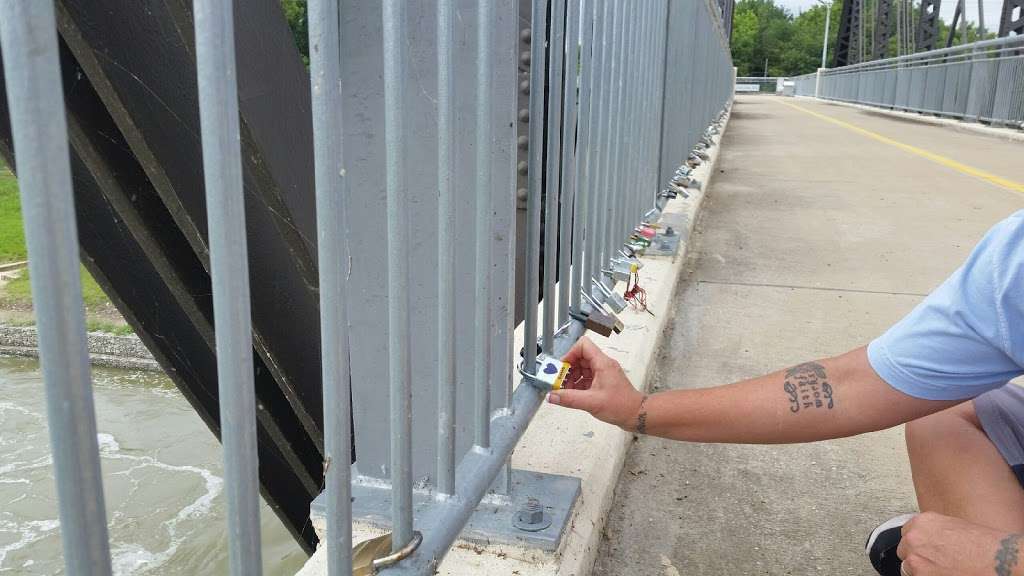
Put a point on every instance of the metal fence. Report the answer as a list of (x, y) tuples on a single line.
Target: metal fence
[(759, 84), (983, 81), (805, 85), (630, 89)]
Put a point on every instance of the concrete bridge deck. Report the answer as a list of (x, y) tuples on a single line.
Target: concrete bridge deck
[(825, 225)]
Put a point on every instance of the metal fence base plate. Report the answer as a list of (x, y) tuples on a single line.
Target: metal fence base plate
[(493, 520), (662, 245)]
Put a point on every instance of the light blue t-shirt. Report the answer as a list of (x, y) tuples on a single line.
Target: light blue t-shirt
[(966, 337)]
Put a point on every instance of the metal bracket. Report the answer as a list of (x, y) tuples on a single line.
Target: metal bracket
[(493, 522)]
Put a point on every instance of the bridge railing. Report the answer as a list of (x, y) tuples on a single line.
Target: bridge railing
[(978, 82), (759, 84), (805, 85), (415, 181)]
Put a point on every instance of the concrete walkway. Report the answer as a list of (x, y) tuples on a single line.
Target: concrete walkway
[(815, 237)]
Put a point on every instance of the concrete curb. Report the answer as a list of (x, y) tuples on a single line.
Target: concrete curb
[(568, 442), (12, 266), (1008, 134), (106, 350)]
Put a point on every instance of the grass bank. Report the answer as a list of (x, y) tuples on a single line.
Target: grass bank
[(12, 235), (16, 292)]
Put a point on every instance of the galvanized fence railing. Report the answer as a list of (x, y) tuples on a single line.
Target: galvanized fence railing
[(759, 84), (630, 90), (805, 85), (978, 82)]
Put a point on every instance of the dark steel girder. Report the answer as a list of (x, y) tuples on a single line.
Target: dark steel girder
[(1012, 19), (928, 25), (847, 42), (883, 29), (954, 28), (130, 92)]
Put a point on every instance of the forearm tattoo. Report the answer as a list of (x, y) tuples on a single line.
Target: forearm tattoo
[(807, 387), (1006, 556), (641, 417)]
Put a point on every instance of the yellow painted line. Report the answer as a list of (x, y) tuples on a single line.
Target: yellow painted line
[(937, 158)]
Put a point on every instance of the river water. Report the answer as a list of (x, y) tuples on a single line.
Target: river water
[(162, 475)]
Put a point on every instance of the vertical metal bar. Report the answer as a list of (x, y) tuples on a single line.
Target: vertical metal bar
[(553, 162), (569, 144), (506, 38), (613, 157), (332, 240), (484, 69), (229, 270), (592, 182), (399, 370), (583, 148), (661, 123), (538, 33), (445, 254), (39, 129), (605, 115)]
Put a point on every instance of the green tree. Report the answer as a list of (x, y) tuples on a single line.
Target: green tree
[(791, 44), (802, 52), (763, 30), (295, 12)]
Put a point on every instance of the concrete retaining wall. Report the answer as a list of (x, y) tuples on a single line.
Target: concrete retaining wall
[(104, 349)]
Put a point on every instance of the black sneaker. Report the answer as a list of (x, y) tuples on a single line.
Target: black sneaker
[(882, 544)]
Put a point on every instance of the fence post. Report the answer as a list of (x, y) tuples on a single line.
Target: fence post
[(28, 34)]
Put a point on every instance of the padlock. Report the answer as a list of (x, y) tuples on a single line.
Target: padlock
[(651, 215), (600, 320), (623, 266), (618, 326), (638, 247), (616, 274), (614, 301), (634, 262), (601, 323), (364, 553), (550, 373), (370, 556)]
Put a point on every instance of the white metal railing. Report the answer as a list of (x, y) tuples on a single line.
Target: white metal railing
[(982, 81), (759, 84)]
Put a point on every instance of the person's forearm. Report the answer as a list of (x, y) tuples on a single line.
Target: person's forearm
[(830, 398)]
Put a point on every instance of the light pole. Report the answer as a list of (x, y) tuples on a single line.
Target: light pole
[(828, 20)]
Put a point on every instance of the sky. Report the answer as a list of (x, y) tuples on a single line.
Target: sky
[(993, 8)]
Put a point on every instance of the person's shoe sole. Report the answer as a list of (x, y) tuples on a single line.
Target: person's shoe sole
[(882, 544)]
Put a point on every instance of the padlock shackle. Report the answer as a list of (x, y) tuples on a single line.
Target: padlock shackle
[(400, 554)]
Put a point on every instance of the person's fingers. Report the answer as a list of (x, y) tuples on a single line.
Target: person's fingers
[(580, 373), (585, 400), (578, 382), (586, 352), (575, 354)]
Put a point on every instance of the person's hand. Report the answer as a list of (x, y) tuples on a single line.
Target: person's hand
[(937, 545), (597, 384)]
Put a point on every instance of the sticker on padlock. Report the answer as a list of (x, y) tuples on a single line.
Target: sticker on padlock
[(550, 373)]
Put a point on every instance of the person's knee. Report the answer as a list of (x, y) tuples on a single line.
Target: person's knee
[(952, 421)]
